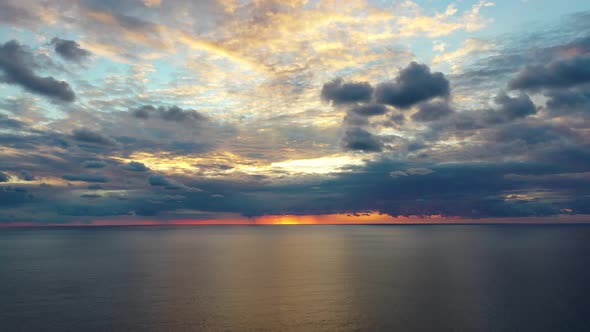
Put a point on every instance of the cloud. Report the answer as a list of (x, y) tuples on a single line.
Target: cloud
[(414, 84), (558, 74), (86, 177), (143, 112), (511, 108), (470, 47), (136, 166), (177, 114), (339, 92), (11, 197), (4, 177), (411, 171), (369, 109), (158, 180), (89, 136), (432, 111), (359, 139), (94, 164), (152, 3), (263, 108), (6, 122), (396, 174), (173, 114), (26, 176), (419, 171), (533, 133), (413, 21), (353, 119), (69, 50), (15, 15), (561, 102), (16, 63)]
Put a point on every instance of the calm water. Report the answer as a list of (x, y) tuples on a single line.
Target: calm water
[(303, 278)]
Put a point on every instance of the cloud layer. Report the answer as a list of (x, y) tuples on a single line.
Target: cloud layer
[(116, 110)]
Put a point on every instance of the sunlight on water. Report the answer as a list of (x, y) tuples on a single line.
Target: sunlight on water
[(305, 278)]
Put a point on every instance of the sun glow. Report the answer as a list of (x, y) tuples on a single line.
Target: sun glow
[(322, 165), (231, 163)]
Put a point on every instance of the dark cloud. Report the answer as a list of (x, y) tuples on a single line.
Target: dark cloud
[(13, 196), (173, 113), (578, 46), (511, 108), (136, 166), (509, 159), (89, 136), (179, 115), (432, 111), (69, 50), (26, 176), (414, 84), (94, 164), (86, 177), (395, 120), (566, 157), (465, 123), (561, 102), (353, 119), (339, 92), (558, 74), (362, 140), (508, 109), (158, 180), (369, 109), (4, 177), (6, 122), (143, 112), (468, 189), (513, 52), (533, 133), (16, 63)]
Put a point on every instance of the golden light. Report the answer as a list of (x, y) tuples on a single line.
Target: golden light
[(188, 164), (323, 165)]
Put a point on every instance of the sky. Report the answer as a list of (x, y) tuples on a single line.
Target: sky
[(294, 111)]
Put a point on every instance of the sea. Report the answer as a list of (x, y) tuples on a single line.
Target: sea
[(296, 278)]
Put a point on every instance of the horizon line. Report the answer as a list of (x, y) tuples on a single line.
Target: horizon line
[(370, 218)]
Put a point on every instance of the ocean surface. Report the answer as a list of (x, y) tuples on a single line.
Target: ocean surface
[(296, 278)]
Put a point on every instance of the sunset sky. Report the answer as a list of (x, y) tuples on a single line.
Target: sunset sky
[(231, 111)]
